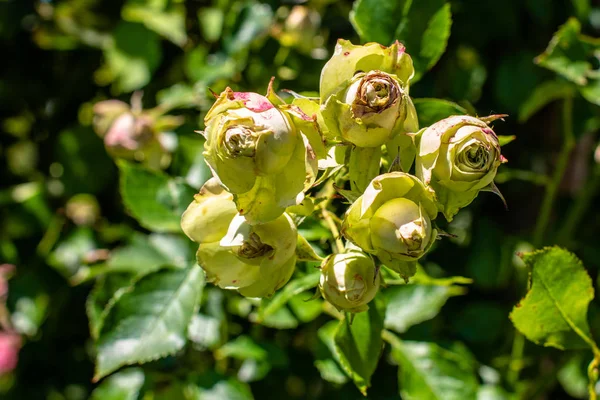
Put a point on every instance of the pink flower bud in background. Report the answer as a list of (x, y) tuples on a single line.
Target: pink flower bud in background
[(10, 343)]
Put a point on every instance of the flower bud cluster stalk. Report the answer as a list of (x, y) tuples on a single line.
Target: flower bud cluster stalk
[(265, 154)]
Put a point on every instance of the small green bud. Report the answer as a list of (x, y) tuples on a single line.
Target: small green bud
[(349, 281), (458, 157)]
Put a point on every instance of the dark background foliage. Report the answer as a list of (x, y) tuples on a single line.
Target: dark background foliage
[(61, 57)]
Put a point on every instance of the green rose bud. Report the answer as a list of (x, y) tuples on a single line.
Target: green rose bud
[(258, 154), (393, 221), (256, 260), (458, 157), (348, 281), (364, 94)]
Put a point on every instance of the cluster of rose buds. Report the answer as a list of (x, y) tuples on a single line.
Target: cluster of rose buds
[(265, 155)]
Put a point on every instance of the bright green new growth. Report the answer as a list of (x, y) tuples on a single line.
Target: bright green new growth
[(257, 154), (393, 221), (349, 280), (458, 157), (255, 260)]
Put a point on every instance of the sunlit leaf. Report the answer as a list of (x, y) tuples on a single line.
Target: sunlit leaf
[(124, 385), (412, 304), (554, 311), (153, 198), (428, 371), (150, 321), (359, 345)]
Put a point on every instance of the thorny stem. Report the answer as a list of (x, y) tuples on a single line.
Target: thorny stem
[(561, 165)]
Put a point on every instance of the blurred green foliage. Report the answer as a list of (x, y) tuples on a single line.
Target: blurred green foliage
[(95, 240)]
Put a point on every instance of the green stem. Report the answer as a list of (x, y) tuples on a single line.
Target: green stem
[(516, 359), (593, 378), (561, 166), (334, 230), (579, 207)]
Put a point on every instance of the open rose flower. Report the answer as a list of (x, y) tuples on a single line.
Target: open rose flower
[(364, 94), (393, 220), (256, 260), (258, 154), (349, 280), (458, 157)]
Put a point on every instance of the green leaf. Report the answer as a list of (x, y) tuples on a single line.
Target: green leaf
[(242, 348), (106, 292), (412, 304), (554, 311), (213, 387), (376, 20), (305, 252), (211, 23), (573, 376), (428, 371), (132, 57), (358, 344), (494, 392), (582, 8), (205, 331), (305, 309), (153, 198), (506, 139), (143, 255), (291, 289), (566, 54), (328, 362), (543, 95), (82, 155), (423, 26), (424, 30), (124, 385), (168, 20), (254, 22), (431, 111), (280, 319), (68, 256), (331, 371), (150, 321), (569, 54), (188, 161)]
